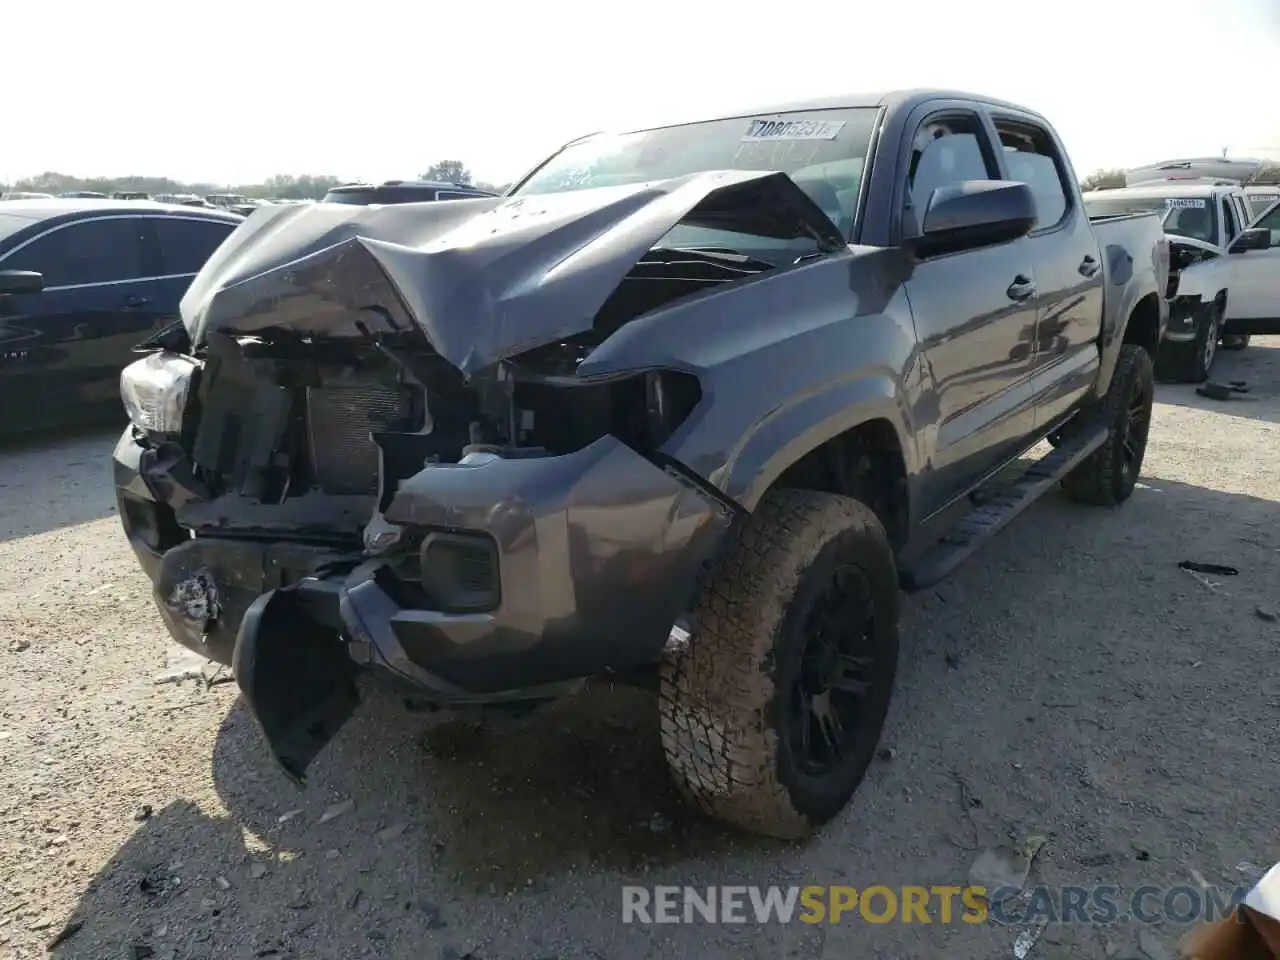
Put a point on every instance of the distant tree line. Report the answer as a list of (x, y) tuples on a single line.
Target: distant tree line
[(280, 187), (312, 187)]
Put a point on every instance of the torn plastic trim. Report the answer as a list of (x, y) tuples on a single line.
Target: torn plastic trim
[(499, 280), (1205, 276), (299, 649)]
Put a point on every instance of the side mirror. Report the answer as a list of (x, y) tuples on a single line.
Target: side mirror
[(1257, 238), (977, 213), (21, 281)]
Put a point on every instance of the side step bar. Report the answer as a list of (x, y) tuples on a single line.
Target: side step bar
[(988, 519)]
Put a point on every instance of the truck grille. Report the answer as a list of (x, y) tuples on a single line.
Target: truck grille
[(340, 424)]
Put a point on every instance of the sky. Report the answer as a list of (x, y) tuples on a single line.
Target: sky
[(235, 91)]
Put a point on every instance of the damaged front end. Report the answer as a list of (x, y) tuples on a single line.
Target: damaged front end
[(1197, 276), (369, 446)]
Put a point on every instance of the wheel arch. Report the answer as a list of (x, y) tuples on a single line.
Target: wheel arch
[(852, 439), (1145, 313), (1143, 326)]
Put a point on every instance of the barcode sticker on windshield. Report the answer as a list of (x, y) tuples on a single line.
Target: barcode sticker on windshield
[(1185, 203), (792, 130)]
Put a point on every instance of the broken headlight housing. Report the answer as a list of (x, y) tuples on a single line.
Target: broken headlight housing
[(155, 390)]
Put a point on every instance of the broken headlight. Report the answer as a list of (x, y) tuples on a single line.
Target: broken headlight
[(155, 390)]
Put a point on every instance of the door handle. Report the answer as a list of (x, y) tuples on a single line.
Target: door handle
[(135, 301), (1089, 267), (1022, 288)]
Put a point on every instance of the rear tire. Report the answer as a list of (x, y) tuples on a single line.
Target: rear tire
[(1108, 476), (1191, 362), (1235, 341), (771, 712)]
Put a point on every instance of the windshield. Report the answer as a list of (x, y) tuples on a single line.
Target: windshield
[(1258, 202), (1183, 216), (822, 150)]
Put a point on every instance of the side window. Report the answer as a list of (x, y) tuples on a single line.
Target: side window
[(446, 195), (1030, 156), (186, 244), (946, 150), (1229, 228), (92, 251), (1243, 212)]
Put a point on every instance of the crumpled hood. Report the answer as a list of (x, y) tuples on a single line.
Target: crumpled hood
[(483, 279), (1177, 240)]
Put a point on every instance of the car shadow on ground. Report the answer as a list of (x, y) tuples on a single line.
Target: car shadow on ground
[(55, 479), (410, 830), (427, 834), (497, 804), (1257, 367)]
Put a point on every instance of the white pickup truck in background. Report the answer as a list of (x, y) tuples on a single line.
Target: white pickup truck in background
[(1261, 197), (1227, 263)]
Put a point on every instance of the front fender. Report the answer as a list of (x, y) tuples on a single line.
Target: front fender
[(1205, 279), (795, 429)]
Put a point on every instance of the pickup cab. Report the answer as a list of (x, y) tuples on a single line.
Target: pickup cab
[(1222, 262), (687, 408)]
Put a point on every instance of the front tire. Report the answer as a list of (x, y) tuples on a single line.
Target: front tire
[(1108, 476), (1191, 362), (771, 712)]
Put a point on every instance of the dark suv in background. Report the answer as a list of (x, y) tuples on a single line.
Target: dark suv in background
[(403, 191), (82, 281)]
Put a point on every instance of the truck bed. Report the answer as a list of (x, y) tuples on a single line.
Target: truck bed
[(1119, 233)]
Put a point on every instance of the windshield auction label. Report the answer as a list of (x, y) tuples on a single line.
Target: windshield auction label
[(1194, 203), (792, 130)]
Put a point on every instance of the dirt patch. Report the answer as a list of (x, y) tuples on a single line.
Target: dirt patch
[(1070, 683)]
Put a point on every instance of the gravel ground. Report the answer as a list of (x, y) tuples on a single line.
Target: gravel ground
[(1076, 682)]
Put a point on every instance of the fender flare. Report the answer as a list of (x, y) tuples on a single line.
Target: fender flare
[(1138, 283), (803, 425)]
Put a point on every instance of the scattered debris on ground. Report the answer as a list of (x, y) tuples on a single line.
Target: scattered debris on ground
[(337, 810), (1212, 569)]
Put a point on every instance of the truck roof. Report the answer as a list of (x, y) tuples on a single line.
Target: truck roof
[(895, 99), (1166, 188)]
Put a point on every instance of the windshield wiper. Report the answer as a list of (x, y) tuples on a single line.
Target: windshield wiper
[(720, 255)]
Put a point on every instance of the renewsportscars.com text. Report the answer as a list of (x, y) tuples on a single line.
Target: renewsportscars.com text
[(942, 904)]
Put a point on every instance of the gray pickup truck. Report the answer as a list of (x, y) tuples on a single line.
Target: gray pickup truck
[(687, 408)]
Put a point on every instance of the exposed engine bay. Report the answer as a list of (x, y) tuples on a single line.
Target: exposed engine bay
[(307, 425), (1202, 281)]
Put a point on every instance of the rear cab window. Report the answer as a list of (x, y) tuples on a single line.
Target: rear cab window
[(185, 244), (1031, 157)]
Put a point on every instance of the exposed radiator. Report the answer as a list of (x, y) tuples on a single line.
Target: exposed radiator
[(340, 422)]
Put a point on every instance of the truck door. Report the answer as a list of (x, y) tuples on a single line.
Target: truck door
[(1068, 266), (975, 316), (1253, 296)]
